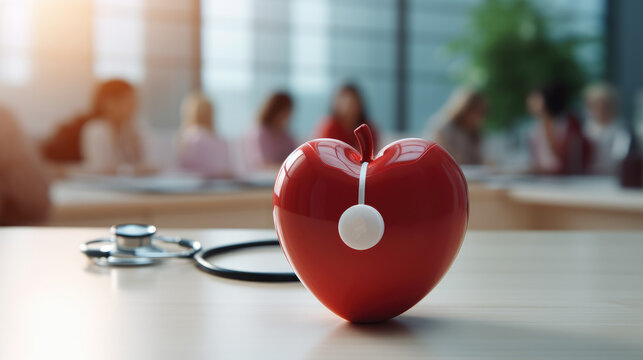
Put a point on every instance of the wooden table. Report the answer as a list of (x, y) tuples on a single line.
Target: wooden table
[(229, 208), (568, 203), (509, 295), (554, 204)]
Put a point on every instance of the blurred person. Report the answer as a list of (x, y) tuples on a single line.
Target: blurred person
[(200, 149), (269, 141), (110, 141), (104, 138), (609, 138), (347, 113), (24, 184), (558, 145), (460, 129)]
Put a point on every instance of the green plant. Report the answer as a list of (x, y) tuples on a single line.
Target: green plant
[(507, 51)]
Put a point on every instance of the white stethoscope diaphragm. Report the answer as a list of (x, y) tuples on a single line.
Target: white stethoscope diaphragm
[(361, 226), (137, 244)]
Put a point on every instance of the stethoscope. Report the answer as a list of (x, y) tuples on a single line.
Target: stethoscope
[(360, 227), (138, 244)]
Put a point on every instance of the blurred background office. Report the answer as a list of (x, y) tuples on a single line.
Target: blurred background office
[(138, 104)]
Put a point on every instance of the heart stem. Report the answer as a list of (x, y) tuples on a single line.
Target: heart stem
[(365, 139)]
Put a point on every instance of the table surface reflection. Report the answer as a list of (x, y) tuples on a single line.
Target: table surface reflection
[(514, 295)]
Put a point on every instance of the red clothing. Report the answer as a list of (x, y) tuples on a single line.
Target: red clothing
[(331, 128), (64, 145), (577, 149)]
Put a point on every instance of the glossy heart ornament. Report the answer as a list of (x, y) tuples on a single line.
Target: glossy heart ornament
[(391, 252)]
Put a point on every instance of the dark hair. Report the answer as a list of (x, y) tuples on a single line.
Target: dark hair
[(352, 89), (555, 98), (275, 104), (106, 91)]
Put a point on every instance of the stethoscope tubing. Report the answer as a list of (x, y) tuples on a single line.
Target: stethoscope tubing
[(115, 255), (256, 276)]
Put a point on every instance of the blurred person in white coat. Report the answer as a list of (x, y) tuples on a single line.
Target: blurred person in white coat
[(112, 143)]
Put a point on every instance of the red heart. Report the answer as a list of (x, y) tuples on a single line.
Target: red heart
[(422, 197)]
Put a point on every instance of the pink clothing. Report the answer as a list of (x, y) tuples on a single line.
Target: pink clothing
[(202, 152), (264, 147)]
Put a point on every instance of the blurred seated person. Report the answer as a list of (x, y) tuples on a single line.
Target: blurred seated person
[(269, 141), (111, 142), (558, 145), (200, 149), (105, 139), (24, 184), (460, 131), (609, 138), (348, 112)]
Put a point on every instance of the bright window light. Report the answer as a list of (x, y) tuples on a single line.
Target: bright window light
[(16, 41), (119, 39), (309, 46), (227, 50)]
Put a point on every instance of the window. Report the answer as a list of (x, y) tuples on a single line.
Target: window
[(119, 42), (227, 46), (152, 44), (309, 50), (252, 47), (16, 40), (227, 60), (249, 48)]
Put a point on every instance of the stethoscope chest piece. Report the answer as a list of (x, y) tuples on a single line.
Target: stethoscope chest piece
[(137, 244)]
